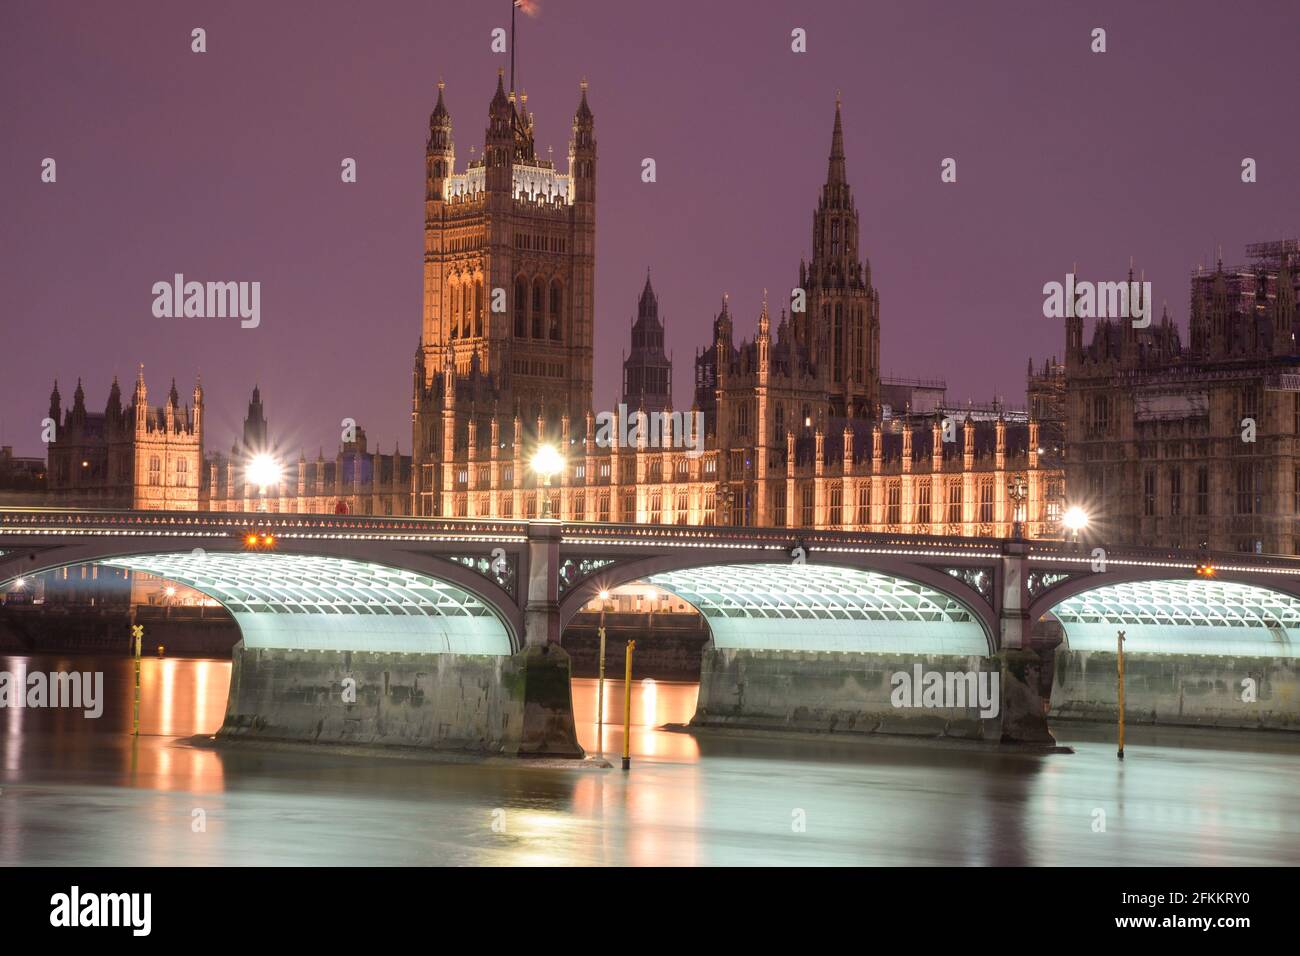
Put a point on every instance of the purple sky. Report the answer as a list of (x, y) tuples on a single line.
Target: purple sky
[(225, 166)]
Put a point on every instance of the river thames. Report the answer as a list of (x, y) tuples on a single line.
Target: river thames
[(78, 791)]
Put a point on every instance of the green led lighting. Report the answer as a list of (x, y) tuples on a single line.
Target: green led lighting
[(319, 603), (1217, 618), (825, 608)]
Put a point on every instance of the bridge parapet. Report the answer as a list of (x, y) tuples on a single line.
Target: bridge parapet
[(39, 521), (625, 535)]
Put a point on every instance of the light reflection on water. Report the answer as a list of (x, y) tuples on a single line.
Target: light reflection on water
[(654, 703), (181, 698), (75, 791)]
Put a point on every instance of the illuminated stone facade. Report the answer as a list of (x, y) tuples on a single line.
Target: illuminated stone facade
[(795, 432), (1191, 445), (136, 457), (355, 481)]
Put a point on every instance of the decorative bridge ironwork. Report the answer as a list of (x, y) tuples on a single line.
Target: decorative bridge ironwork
[(545, 571)]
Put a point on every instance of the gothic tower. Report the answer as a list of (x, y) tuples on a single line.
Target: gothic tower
[(647, 370), (509, 280), (840, 329), (255, 433)]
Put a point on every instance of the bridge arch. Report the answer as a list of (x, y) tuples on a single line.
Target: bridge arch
[(305, 595), (1177, 615), (1085, 581), (841, 602)]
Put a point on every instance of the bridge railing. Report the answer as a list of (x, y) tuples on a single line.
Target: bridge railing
[(1093, 553), (71, 521), (786, 538), (180, 523)]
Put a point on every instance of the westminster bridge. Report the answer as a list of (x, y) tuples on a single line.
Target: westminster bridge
[(447, 633)]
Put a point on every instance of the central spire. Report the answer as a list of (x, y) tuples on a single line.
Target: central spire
[(835, 174)]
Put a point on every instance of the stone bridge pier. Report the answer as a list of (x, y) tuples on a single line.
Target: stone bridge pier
[(1026, 656), (548, 727), (511, 697)]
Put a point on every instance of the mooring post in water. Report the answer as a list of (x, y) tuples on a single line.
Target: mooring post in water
[(627, 708), (1120, 677), (600, 682), (137, 632)]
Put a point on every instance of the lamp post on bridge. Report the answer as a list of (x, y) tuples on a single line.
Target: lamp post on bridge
[(1076, 519), (1017, 491), (263, 471), (547, 461), (722, 504)]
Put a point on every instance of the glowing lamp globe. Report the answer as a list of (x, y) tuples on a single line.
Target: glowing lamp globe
[(263, 471), (547, 461)]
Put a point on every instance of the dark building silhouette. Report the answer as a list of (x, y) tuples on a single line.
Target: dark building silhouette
[(647, 370)]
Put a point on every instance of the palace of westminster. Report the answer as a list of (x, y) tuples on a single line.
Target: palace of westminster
[(1160, 442)]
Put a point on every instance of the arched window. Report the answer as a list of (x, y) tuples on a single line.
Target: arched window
[(557, 298), (521, 304), (538, 291), (466, 303), (453, 309), (478, 308), (837, 353)]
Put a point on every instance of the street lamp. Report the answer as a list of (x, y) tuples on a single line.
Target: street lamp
[(263, 471), (1076, 519), (1017, 490), (547, 461)]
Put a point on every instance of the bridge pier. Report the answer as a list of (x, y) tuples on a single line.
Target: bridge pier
[(1026, 657), (545, 673), (374, 689), (516, 705)]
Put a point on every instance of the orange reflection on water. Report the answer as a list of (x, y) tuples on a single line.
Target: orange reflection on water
[(654, 703), (178, 697)]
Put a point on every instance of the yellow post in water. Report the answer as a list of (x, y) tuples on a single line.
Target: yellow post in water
[(137, 632), (1120, 664), (627, 709), (600, 691)]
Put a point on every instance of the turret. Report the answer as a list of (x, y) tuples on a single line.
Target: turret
[(499, 141), (440, 154), (582, 151), (449, 377), (140, 399), (113, 410), (172, 408), (198, 405), (525, 151), (79, 404)]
